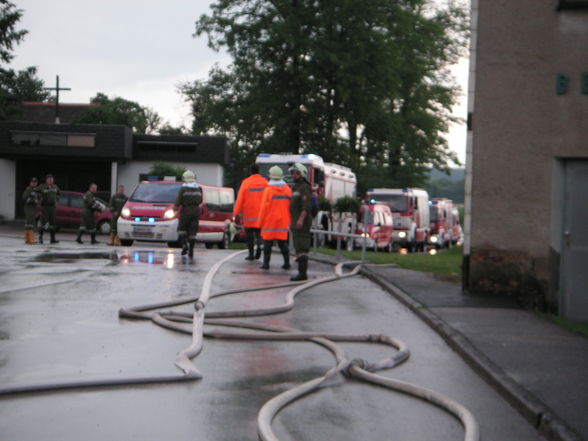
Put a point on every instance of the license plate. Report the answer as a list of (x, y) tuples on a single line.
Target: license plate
[(140, 229)]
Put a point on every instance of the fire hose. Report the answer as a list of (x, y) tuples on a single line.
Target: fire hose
[(194, 324)]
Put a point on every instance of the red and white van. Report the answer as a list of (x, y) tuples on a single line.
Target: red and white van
[(441, 222), (410, 210), (375, 225), (149, 214)]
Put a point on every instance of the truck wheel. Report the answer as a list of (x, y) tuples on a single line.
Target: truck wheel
[(126, 242), (208, 245)]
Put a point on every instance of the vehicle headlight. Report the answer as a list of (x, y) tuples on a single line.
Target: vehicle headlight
[(434, 239), (402, 234), (169, 214), (126, 212)]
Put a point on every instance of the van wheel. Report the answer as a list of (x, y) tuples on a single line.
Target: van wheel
[(208, 245), (126, 242), (225, 242)]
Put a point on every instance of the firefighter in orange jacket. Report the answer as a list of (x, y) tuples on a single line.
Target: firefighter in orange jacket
[(274, 216), (248, 205)]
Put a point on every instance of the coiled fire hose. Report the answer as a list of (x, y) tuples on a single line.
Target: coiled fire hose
[(193, 324)]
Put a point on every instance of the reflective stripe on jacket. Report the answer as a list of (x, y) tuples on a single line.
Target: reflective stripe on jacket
[(275, 212), (249, 200)]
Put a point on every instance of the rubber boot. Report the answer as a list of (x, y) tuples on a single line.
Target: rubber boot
[(191, 248), (93, 237), (184, 242), (53, 240), (79, 238), (302, 268), (250, 246), (27, 237), (267, 253), (111, 237), (40, 236), (31, 237), (258, 250), (117, 240), (285, 254)]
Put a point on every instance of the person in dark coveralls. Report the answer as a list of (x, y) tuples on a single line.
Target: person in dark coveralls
[(87, 221), (49, 196), (30, 197), (247, 206), (300, 212), (117, 201), (189, 199)]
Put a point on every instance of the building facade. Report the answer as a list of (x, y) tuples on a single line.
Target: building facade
[(108, 155), (527, 153)]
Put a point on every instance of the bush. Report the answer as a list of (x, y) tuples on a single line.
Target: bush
[(347, 204), (324, 204)]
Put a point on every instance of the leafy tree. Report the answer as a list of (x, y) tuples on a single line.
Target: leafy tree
[(9, 36), (364, 83), (119, 111), (166, 169), (15, 86), (168, 129)]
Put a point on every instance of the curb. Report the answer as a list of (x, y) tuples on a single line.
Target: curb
[(529, 407)]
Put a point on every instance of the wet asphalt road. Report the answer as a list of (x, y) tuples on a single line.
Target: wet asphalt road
[(59, 321)]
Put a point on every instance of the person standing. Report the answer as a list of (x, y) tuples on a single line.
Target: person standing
[(49, 192), (30, 198), (117, 201), (247, 206), (274, 217), (189, 199), (300, 209), (87, 221)]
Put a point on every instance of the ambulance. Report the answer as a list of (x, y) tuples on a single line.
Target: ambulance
[(149, 214)]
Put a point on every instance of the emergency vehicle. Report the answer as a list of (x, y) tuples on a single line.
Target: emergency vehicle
[(331, 181), (375, 225), (149, 215), (410, 211), (441, 222)]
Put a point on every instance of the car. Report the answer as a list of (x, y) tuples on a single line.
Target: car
[(149, 214), (375, 225), (69, 211)]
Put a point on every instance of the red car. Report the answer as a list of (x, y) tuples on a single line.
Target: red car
[(69, 211)]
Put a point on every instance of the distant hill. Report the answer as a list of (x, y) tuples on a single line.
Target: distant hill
[(450, 186)]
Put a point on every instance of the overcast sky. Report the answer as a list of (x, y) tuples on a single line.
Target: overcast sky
[(139, 50)]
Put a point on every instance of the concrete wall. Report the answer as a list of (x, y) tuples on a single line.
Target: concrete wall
[(521, 128), (208, 174), (8, 185)]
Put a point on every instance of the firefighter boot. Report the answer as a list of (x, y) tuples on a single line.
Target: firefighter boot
[(258, 250), (30, 237), (267, 253), (40, 236), (285, 254), (117, 240), (184, 242), (111, 237), (93, 237), (53, 240), (302, 268), (79, 238), (250, 246), (27, 236)]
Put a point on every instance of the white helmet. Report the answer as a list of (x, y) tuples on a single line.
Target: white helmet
[(188, 176), (276, 173), (300, 168)]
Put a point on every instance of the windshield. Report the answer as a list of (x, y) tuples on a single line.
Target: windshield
[(159, 193), (366, 216), (433, 213), (398, 203), (264, 171)]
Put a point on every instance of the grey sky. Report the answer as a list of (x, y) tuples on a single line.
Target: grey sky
[(136, 49)]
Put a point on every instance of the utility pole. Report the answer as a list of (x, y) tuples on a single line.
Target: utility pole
[(57, 89)]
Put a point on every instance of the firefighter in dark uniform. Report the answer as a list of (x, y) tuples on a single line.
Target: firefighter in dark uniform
[(189, 199), (117, 201), (301, 218), (31, 197), (49, 197), (87, 221)]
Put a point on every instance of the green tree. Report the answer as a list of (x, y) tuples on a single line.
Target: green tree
[(9, 35), (360, 83), (120, 111), (15, 86), (166, 169)]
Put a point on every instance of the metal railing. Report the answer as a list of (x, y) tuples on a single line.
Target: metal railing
[(317, 233)]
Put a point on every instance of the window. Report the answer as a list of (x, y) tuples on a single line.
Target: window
[(572, 4), (53, 139), (77, 201)]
